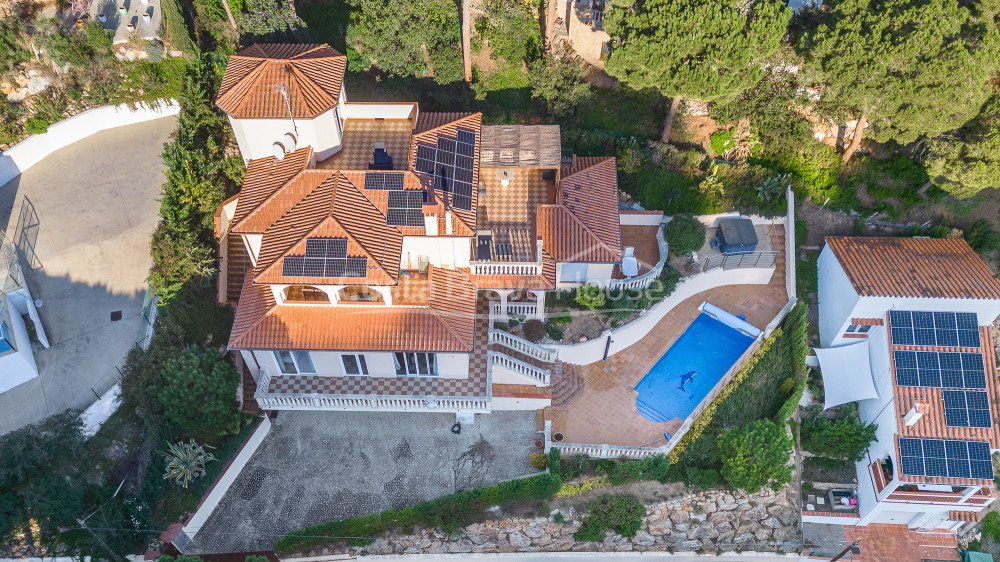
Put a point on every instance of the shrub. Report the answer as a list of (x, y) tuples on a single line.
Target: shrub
[(756, 455), (684, 234), (199, 377), (980, 236), (571, 468), (155, 51), (623, 514), (36, 125), (186, 462), (539, 460), (703, 478), (570, 490), (842, 439), (562, 84), (558, 518), (554, 332), (722, 141), (533, 330), (590, 296)]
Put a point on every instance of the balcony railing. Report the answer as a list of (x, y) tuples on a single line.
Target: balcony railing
[(361, 403), (505, 268), (644, 280), (520, 367), (533, 350), (734, 261)]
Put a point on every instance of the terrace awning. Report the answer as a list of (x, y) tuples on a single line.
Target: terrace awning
[(847, 374)]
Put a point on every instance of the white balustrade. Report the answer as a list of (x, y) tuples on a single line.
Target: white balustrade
[(524, 346), (506, 268), (520, 367), (644, 280), (605, 451)]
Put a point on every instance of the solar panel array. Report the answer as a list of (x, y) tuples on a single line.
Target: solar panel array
[(405, 208), (966, 408), (946, 458), (384, 180), (451, 162), (944, 329), (325, 257), (939, 369)]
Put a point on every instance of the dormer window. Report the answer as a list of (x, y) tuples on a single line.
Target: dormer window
[(858, 329)]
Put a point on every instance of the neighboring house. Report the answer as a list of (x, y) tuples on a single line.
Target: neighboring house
[(363, 288), (905, 332), (17, 361)]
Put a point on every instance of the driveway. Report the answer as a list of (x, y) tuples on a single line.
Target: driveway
[(83, 218), (315, 467)]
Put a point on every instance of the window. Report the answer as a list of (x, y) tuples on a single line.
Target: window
[(294, 362), (6, 338), (421, 364), (858, 329), (354, 364), (574, 273)]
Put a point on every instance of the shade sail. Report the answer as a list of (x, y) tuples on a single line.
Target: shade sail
[(847, 374)]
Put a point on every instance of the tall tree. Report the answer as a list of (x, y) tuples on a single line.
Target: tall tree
[(966, 161), (907, 67), (703, 49), (200, 390)]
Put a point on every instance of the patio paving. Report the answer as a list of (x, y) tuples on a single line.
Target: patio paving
[(315, 467)]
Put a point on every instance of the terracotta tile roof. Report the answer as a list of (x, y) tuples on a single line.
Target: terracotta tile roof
[(334, 209), (933, 424), (431, 120), (472, 122), (445, 325), (584, 225), (970, 516), (312, 76), (262, 186), (914, 267), (536, 146), (581, 163)]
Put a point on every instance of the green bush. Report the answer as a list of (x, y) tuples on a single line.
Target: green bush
[(756, 455), (539, 461), (721, 141), (982, 237), (590, 296), (36, 125), (450, 511), (155, 51), (623, 514), (199, 377), (512, 30), (533, 330), (841, 439), (704, 478), (12, 35), (684, 234), (554, 332), (577, 466)]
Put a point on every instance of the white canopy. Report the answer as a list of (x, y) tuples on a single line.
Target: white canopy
[(847, 374)]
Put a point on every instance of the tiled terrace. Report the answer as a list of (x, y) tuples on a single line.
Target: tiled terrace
[(898, 543), (474, 386), (603, 410), (510, 211), (360, 136), (647, 251)]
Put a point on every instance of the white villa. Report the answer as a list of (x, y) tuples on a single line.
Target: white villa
[(905, 332)]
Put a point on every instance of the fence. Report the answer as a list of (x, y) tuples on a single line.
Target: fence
[(519, 345), (644, 280), (506, 268), (734, 261)]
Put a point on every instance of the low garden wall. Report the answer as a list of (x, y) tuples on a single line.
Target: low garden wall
[(35, 148)]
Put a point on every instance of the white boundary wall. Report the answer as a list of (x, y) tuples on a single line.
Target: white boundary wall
[(592, 351), (33, 149), (226, 480)]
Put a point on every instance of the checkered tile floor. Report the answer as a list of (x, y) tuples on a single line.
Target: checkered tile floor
[(510, 211), (474, 386), (360, 136)]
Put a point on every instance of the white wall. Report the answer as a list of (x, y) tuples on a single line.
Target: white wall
[(513, 403), (379, 110), (256, 137), (252, 243), (639, 219), (597, 274), (33, 149), (876, 307), (380, 364), (837, 299), (18, 367), (443, 251)]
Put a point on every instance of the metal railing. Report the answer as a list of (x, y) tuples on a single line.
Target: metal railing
[(354, 403), (644, 280), (524, 346), (734, 261), (520, 367), (505, 268)]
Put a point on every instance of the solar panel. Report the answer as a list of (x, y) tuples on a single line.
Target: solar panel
[(292, 266), (945, 458), (405, 208), (384, 180), (943, 329), (939, 369), (452, 163), (966, 408), (325, 257), (357, 267)]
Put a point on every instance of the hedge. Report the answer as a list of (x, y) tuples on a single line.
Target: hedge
[(449, 511), (796, 324), (705, 418)]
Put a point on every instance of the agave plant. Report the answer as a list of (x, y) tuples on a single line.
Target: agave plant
[(186, 462)]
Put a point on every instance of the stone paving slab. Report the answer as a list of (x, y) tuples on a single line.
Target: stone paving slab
[(315, 467)]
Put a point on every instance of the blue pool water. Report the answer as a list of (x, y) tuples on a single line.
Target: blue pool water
[(696, 361)]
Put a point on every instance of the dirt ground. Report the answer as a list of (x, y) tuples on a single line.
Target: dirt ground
[(696, 130), (842, 474)]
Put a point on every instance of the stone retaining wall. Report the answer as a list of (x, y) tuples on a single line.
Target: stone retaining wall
[(707, 521)]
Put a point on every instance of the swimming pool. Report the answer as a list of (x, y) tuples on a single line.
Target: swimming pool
[(693, 365)]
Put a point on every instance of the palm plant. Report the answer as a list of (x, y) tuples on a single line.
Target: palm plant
[(186, 462), (771, 188)]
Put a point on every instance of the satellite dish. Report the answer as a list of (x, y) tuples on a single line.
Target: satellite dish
[(278, 150), (289, 141)]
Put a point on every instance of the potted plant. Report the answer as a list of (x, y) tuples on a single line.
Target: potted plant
[(122, 9)]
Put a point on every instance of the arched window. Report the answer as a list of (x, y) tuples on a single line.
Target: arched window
[(360, 294), (305, 293)]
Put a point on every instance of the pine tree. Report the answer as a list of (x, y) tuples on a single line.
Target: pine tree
[(703, 49), (908, 67), (199, 391), (756, 455), (966, 161)]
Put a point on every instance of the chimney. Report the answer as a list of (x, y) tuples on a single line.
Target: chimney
[(447, 222), (913, 416), (431, 224)]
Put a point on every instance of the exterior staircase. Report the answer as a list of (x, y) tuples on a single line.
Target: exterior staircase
[(526, 358), (237, 262), (566, 383)]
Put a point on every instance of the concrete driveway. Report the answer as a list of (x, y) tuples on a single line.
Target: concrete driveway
[(83, 217), (315, 467)]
